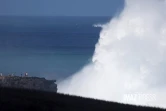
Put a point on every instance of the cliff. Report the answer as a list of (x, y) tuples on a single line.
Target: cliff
[(28, 83), (12, 99)]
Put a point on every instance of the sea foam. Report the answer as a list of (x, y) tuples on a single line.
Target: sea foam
[(129, 61)]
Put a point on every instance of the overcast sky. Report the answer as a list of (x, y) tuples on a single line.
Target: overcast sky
[(60, 7)]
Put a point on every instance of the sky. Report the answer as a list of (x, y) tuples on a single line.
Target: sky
[(60, 7)]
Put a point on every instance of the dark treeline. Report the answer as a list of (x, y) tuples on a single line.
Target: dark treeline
[(32, 100)]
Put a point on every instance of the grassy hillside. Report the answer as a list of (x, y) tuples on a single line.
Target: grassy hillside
[(31, 100)]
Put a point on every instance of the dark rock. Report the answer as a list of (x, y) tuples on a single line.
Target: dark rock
[(28, 83)]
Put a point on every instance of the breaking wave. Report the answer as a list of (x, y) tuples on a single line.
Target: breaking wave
[(129, 61), (98, 25)]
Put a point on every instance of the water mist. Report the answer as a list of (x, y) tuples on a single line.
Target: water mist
[(129, 61)]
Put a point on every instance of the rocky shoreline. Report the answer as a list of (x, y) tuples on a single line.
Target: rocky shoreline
[(28, 83)]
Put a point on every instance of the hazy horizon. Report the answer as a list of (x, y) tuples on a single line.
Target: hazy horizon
[(60, 7)]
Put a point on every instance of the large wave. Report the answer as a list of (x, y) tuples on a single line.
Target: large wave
[(130, 58)]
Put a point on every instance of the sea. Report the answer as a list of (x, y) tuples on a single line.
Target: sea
[(47, 46)]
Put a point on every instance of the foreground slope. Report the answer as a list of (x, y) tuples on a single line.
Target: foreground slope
[(12, 99)]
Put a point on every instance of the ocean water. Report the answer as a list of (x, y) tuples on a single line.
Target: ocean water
[(50, 47)]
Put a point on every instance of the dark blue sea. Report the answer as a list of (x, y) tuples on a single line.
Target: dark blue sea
[(50, 47)]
